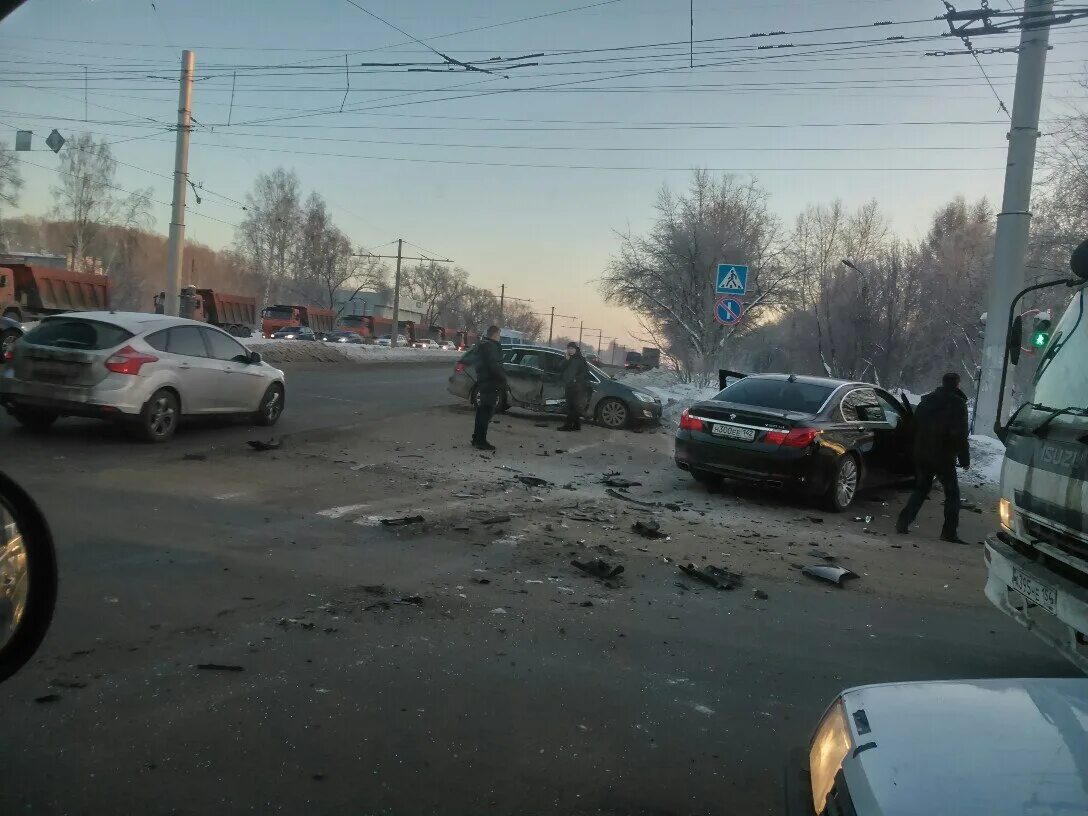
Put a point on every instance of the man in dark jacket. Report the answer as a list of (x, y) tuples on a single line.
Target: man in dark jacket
[(575, 375), (940, 438), (490, 383)]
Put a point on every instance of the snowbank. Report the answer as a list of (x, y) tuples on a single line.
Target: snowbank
[(987, 454), (675, 395), (304, 351)]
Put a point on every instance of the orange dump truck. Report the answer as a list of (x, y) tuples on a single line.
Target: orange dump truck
[(235, 314), (32, 292), (317, 318)]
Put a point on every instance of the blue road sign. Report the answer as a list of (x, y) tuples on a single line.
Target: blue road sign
[(728, 311), (732, 280)]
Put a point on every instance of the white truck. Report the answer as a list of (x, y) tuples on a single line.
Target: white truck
[(1037, 562)]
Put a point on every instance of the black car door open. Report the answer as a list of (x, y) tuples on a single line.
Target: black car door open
[(901, 420), (855, 410)]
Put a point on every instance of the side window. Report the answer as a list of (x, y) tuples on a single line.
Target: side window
[(552, 363), (530, 360), (892, 413), (186, 340), (861, 405), (509, 356), (158, 340), (223, 347)]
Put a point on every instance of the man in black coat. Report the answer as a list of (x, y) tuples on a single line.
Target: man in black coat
[(490, 383), (576, 382), (940, 439)]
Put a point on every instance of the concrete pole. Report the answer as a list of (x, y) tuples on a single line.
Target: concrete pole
[(1014, 220), (551, 327), (176, 245), (395, 332), (502, 304), (581, 327), (600, 339)]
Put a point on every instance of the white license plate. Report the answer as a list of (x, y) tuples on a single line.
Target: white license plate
[(1035, 591), (733, 432)]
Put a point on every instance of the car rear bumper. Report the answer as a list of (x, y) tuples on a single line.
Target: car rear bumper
[(116, 395), (799, 469)]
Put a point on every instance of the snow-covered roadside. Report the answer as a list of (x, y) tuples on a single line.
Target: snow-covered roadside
[(675, 396), (987, 454), (298, 351)]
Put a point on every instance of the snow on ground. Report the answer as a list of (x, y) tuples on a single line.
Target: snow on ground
[(304, 351), (987, 454), (675, 395)]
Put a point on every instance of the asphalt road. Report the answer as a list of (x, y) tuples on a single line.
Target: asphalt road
[(516, 687)]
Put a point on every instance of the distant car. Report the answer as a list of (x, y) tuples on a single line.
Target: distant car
[(447, 345), (425, 344), (869, 754), (294, 333), (145, 370), (633, 361), (817, 436), (350, 337), (533, 378), (386, 341), (10, 331)]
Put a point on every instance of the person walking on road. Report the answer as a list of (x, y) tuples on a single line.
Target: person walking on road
[(576, 381), (490, 385), (940, 439)]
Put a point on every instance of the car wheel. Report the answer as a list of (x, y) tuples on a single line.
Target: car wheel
[(845, 478), (612, 413), (501, 407), (159, 417), (707, 478), (7, 340), (34, 420), (272, 405)]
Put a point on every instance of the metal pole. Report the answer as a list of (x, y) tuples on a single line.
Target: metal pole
[(502, 303), (395, 333), (551, 327), (1014, 220), (581, 326), (176, 246), (613, 353), (600, 339)]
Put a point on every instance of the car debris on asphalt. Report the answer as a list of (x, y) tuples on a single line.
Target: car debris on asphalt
[(262, 445), (402, 521), (827, 572), (713, 576), (598, 568), (533, 481), (500, 519), (648, 529), (222, 667), (620, 482), (407, 600)]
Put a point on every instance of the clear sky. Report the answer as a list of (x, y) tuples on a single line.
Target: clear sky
[(520, 180)]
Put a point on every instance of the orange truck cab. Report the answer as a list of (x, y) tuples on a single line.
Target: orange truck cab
[(317, 318)]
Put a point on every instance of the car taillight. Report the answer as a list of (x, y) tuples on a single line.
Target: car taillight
[(459, 368), (689, 422), (794, 438), (128, 361), (9, 355)]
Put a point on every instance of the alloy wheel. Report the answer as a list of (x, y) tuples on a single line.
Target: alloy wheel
[(273, 406), (847, 483), (163, 416), (614, 414)]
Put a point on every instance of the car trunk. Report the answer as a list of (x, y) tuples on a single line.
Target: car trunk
[(749, 449), (59, 366)]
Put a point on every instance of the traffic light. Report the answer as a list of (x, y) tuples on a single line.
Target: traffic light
[(1040, 330)]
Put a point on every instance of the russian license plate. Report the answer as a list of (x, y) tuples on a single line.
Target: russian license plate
[(733, 432), (1035, 591), (54, 372)]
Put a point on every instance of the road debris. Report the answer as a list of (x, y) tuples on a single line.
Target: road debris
[(619, 481), (261, 445), (826, 572), (500, 519), (223, 667), (533, 481), (47, 698), (714, 576), (617, 495), (407, 600), (648, 529), (759, 594), (866, 519), (498, 611), (401, 522), (598, 568), (194, 457)]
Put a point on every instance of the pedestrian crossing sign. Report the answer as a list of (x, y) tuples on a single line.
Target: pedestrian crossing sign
[(732, 279)]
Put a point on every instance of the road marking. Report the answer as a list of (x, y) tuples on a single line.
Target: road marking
[(340, 512)]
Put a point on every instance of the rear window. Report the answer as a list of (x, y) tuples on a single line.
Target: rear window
[(89, 335), (780, 395)]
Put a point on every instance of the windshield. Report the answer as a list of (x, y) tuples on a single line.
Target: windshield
[(1061, 380), (781, 395), (353, 320), (278, 313)]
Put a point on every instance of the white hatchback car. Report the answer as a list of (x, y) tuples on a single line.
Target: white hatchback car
[(144, 369)]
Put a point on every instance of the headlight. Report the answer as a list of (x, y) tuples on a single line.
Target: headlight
[(1005, 513), (645, 397), (830, 745)]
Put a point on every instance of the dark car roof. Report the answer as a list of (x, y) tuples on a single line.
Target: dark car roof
[(830, 382)]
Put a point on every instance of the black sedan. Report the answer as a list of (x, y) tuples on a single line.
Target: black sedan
[(349, 337), (822, 437), (294, 333)]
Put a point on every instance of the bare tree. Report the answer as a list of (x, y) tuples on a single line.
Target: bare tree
[(520, 317), (83, 195), (11, 182), (439, 288), (668, 276), (267, 235)]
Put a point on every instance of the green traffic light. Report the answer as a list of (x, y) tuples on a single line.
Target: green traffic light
[(1039, 339)]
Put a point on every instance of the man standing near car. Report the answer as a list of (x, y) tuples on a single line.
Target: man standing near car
[(940, 439), (490, 385), (576, 382)]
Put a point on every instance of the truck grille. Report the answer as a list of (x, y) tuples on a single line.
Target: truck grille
[(1066, 542)]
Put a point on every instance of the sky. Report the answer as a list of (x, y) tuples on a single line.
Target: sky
[(522, 177)]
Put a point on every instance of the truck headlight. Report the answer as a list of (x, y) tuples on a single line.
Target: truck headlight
[(830, 745), (1004, 514)]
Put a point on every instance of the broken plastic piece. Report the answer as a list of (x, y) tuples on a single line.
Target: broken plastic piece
[(826, 572), (224, 667), (533, 481), (261, 445), (496, 519), (401, 522), (619, 481), (714, 576), (598, 568), (648, 529)]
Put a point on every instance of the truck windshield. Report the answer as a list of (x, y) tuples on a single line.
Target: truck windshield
[(278, 313), (353, 320), (1062, 378)]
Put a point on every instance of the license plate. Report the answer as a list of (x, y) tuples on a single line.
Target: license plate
[(733, 432), (1035, 591), (54, 372)]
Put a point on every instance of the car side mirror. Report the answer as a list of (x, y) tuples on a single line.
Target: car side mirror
[(254, 358), (28, 577), (1015, 340)]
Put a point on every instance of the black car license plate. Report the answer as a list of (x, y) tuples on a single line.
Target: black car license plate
[(734, 432)]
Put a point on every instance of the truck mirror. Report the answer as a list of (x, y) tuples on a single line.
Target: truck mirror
[(1015, 339), (254, 357)]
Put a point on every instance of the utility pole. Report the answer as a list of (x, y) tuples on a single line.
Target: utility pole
[(176, 246), (581, 328), (600, 339), (399, 257), (502, 303), (1014, 220), (551, 327)]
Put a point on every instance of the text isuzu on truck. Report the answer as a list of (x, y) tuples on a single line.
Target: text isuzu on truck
[(1037, 562)]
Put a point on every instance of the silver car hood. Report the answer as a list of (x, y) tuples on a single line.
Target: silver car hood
[(993, 747)]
